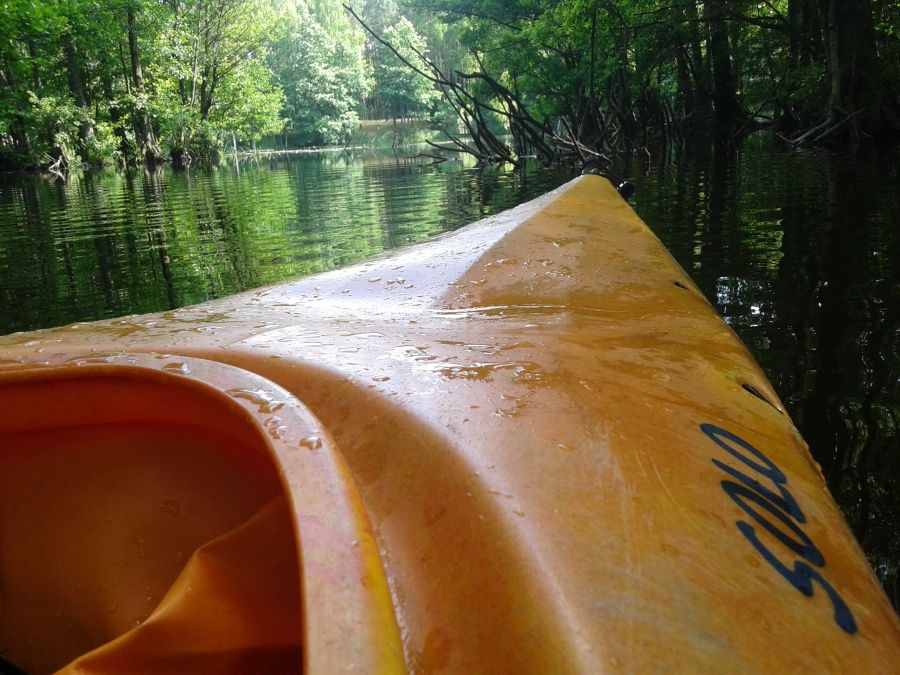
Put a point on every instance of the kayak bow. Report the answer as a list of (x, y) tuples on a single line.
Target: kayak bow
[(527, 446)]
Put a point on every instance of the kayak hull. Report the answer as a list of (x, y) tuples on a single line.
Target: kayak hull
[(529, 446)]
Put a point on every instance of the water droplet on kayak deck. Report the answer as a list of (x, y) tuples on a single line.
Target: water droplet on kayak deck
[(275, 428), (266, 402), (311, 442), (180, 368)]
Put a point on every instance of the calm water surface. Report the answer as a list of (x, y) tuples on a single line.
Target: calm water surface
[(800, 252)]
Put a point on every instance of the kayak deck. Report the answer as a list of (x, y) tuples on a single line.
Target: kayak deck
[(530, 445)]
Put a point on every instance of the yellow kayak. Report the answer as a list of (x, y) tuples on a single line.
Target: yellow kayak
[(530, 446)]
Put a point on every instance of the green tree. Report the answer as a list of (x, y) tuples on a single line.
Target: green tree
[(83, 82), (616, 73), (403, 92), (216, 55), (323, 73)]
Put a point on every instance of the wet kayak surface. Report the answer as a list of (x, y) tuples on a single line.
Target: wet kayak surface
[(548, 452)]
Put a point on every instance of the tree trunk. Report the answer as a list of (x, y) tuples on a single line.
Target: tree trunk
[(685, 86), (853, 68), (204, 80), (21, 141), (804, 32), (35, 71), (208, 90), (115, 117), (76, 87), (794, 20), (17, 129), (701, 96), (724, 92), (620, 88), (143, 125)]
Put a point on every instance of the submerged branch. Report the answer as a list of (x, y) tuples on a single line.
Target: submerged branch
[(823, 130)]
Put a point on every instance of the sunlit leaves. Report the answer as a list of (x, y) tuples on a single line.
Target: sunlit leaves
[(319, 62), (406, 93)]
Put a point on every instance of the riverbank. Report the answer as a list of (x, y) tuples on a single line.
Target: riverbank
[(370, 135)]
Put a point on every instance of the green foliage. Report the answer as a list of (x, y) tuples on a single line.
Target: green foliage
[(57, 118), (95, 83), (250, 103), (101, 148), (324, 75), (214, 76), (404, 92), (651, 70), (89, 82)]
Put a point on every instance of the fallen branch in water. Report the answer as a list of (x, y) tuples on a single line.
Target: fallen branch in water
[(822, 131), (59, 167), (437, 158)]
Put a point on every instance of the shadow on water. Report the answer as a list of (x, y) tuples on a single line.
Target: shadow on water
[(801, 253)]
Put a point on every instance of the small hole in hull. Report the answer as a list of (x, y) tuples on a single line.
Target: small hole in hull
[(680, 285), (753, 390)]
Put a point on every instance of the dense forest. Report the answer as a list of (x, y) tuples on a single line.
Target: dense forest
[(131, 81)]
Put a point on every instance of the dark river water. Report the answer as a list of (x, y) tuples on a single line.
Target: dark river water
[(800, 251)]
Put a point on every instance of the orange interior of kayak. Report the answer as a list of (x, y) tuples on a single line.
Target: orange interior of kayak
[(129, 505), (148, 523)]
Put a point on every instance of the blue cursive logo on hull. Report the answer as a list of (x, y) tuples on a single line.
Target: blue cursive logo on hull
[(775, 510)]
